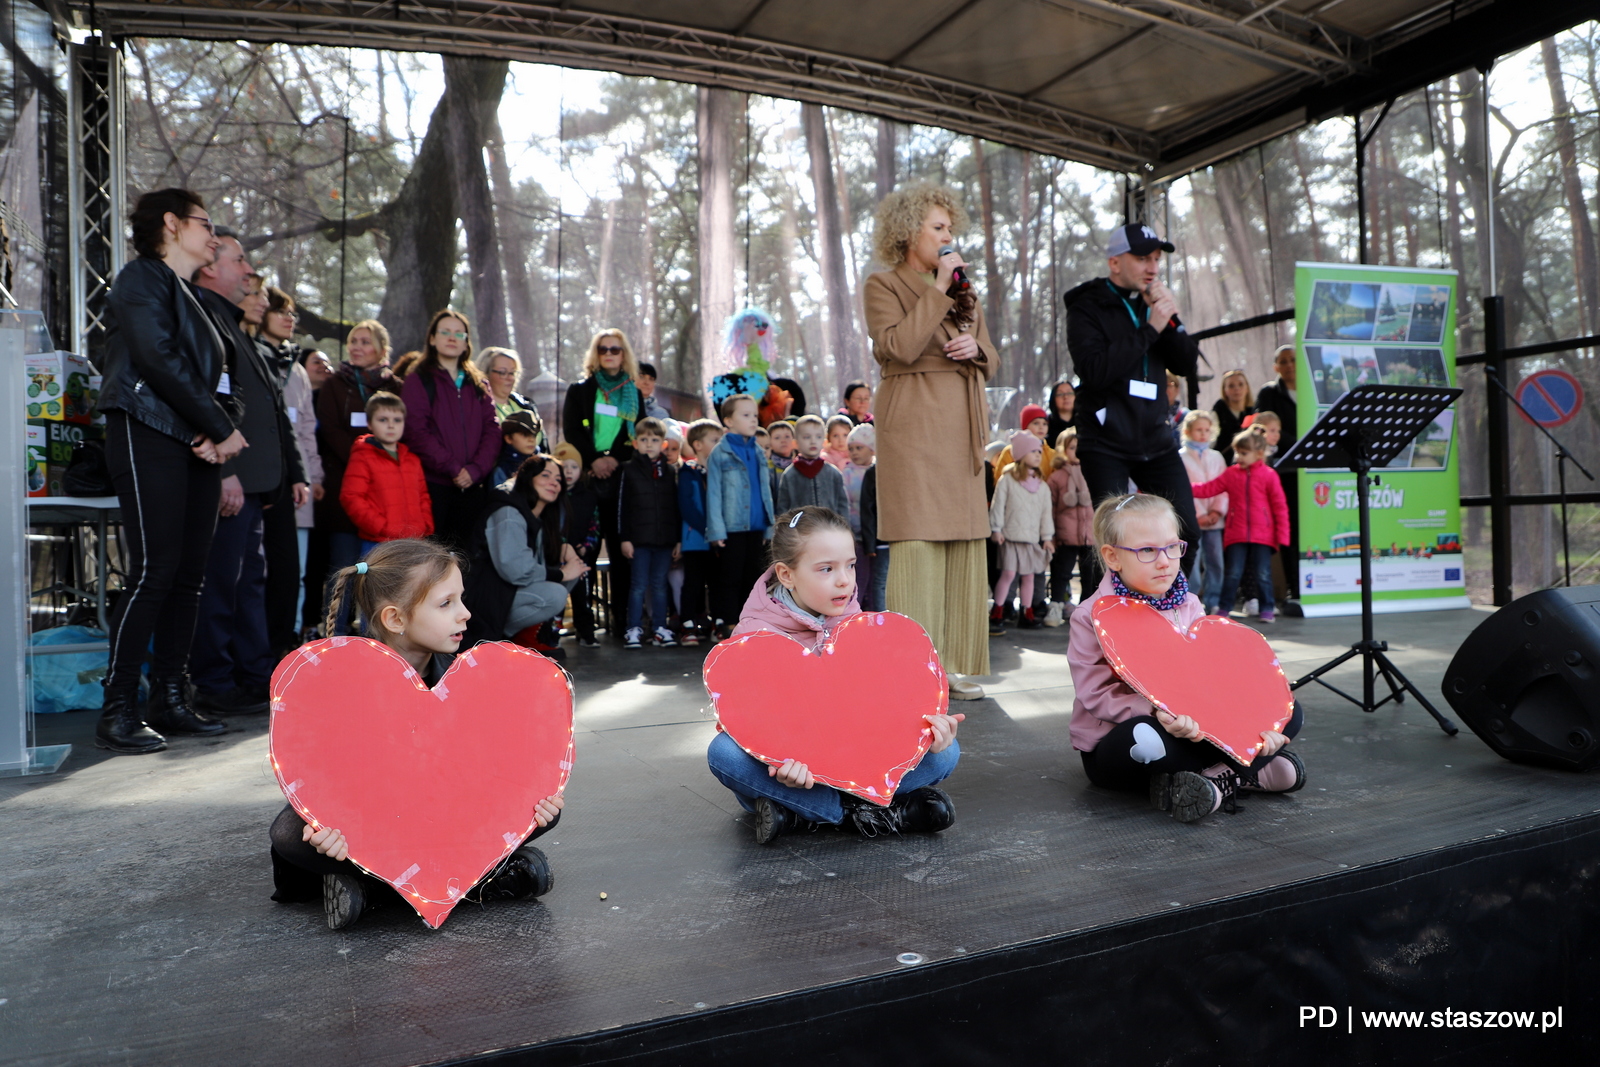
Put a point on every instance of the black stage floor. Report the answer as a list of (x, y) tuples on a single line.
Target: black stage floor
[(137, 928)]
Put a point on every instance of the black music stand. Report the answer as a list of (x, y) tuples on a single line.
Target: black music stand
[(1368, 427)]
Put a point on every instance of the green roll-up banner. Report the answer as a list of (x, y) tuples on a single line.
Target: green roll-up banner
[(1395, 326)]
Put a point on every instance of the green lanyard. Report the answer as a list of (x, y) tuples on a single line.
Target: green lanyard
[(1144, 372)]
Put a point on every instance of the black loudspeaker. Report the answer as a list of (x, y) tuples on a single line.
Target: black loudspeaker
[(1524, 680)]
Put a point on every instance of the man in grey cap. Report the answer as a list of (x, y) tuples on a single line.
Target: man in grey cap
[(1124, 335)]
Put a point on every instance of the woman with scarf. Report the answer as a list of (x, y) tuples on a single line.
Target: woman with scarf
[(341, 418), (598, 420)]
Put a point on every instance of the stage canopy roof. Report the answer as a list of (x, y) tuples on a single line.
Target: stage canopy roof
[(1153, 87)]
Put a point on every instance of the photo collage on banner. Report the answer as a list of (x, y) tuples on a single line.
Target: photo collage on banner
[(1379, 326)]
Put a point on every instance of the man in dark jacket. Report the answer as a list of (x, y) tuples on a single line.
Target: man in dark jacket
[(1124, 336), (231, 659)]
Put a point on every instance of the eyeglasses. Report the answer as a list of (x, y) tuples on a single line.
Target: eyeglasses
[(457, 334), (1149, 552), (609, 350), (506, 373), (202, 220), (294, 316)]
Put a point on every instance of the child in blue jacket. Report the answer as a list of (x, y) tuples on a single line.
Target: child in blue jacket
[(698, 562), (738, 509)]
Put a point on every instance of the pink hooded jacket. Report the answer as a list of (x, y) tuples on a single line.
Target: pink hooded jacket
[(1258, 513), (1103, 699), (763, 611)]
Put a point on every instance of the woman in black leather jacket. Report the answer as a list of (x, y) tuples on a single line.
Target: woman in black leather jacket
[(170, 423)]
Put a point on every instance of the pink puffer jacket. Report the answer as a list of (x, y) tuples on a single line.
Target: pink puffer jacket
[(1258, 514), (1073, 510), (763, 611)]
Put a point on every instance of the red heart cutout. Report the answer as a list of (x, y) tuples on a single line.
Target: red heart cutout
[(431, 787), (1222, 675), (851, 711)]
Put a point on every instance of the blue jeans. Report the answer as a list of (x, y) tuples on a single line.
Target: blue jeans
[(650, 566), (748, 778), (878, 589), (1209, 568), (1259, 560)]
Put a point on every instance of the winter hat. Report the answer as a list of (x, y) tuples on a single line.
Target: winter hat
[(864, 435), (1031, 412), (1023, 443)]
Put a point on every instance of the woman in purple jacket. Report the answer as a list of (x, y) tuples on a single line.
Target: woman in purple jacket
[(450, 425)]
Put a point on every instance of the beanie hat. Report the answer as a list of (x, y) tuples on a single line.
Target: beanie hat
[(1023, 444), (1031, 412), (864, 435)]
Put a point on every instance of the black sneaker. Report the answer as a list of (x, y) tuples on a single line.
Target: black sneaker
[(1161, 791), (343, 899), (525, 873), (1195, 795), (587, 641), (772, 820), (235, 701), (870, 820), (926, 810)]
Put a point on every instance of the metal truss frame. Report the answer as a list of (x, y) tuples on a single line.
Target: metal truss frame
[(96, 186)]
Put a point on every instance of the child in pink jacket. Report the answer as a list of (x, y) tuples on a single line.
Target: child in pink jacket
[(1257, 522), (807, 592), (1126, 742), (1073, 509)]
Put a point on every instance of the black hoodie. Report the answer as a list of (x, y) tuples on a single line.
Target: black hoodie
[(1111, 345)]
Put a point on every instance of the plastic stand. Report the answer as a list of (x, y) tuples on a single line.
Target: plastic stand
[(1366, 428), (22, 333)]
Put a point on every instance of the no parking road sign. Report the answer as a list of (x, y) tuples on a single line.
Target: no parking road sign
[(1552, 397)]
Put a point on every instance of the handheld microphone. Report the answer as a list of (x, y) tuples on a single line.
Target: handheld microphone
[(958, 280)]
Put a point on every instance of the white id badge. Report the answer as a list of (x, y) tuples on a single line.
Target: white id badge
[(225, 385), (1142, 390), (358, 419), (1101, 415), (605, 409), (294, 415)]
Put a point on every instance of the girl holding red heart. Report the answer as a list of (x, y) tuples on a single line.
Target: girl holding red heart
[(1125, 741), (809, 590), (408, 595)]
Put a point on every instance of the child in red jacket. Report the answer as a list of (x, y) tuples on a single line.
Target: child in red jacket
[(384, 491), (1257, 522)]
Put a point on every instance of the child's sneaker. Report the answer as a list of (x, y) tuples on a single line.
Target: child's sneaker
[(634, 638), (343, 899), (996, 622), (1252, 607), (1029, 620), (1057, 615), (1284, 773), (689, 637), (587, 641), (665, 638), (1195, 795), (1269, 616)]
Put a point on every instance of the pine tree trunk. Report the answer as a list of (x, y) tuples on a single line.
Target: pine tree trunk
[(715, 129), (993, 291), (847, 357), (886, 157), (513, 231), (419, 254), (1584, 260)]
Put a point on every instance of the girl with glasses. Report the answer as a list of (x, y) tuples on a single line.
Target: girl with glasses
[(1127, 743)]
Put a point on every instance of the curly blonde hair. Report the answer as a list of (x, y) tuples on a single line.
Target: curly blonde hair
[(900, 216)]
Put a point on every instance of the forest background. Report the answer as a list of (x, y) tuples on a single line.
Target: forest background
[(547, 203)]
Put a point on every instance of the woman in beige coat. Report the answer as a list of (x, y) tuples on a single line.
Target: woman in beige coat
[(933, 422)]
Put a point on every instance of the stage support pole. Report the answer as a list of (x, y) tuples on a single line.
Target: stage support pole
[(1498, 416)]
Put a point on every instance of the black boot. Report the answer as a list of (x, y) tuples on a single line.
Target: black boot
[(121, 730), (170, 712)]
